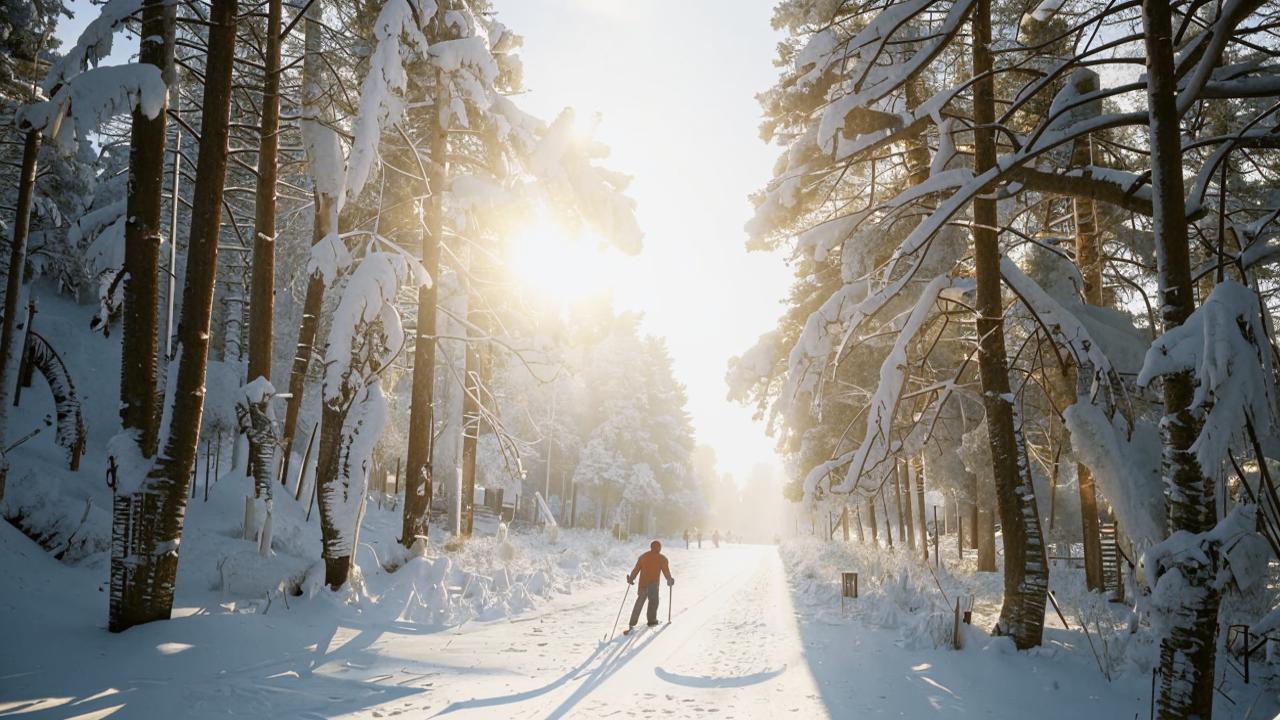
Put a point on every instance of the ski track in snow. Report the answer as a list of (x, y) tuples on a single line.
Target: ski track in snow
[(737, 648)]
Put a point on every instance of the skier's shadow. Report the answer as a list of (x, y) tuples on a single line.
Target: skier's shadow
[(614, 656), (706, 681)]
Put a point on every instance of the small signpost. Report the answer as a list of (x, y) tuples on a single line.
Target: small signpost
[(963, 615), (848, 587)]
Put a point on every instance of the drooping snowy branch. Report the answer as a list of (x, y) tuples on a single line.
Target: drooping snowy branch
[(1222, 345), (877, 442), (381, 104), (93, 45), (367, 307), (83, 104)]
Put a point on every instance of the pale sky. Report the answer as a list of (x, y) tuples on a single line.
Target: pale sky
[(674, 82)]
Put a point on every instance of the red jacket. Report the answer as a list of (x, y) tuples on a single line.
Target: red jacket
[(648, 567)]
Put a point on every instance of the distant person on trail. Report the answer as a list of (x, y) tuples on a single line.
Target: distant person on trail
[(648, 566), (715, 538), (699, 538), (686, 538)]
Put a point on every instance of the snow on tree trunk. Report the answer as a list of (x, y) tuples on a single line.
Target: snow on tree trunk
[(324, 161), (347, 438), (258, 424), (142, 239), (365, 337), (1026, 569), (145, 541), (1089, 259), (471, 403), (1187, 653)]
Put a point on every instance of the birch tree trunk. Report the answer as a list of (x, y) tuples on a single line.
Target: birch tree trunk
[(145, 557), (1187, 654), (1026, 572)]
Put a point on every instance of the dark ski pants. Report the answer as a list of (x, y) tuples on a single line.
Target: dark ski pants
[(647, 592)]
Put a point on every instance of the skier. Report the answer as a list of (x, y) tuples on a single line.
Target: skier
[(686, 538), (648, 566), (699, 538), (715, 538)]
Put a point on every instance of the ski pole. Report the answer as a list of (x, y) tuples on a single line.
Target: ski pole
[(625, 593), (670, 590)]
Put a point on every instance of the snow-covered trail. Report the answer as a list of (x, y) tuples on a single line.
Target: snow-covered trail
[(732, 650), (745, 642)]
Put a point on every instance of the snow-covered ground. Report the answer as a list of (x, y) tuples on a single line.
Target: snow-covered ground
[(755, 633)]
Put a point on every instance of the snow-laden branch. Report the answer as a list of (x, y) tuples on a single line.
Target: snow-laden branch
[(876, 443), (1067, 331), (1221, 344), (367, 305), (93, 45), (85, 103), (380, 103)]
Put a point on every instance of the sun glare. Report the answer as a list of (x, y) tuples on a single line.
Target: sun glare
[(561, 265)]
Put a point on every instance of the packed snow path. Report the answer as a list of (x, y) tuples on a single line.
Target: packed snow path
[(731, 650), (738, 647)]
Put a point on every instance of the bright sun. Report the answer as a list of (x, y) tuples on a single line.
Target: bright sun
[(562, 265)]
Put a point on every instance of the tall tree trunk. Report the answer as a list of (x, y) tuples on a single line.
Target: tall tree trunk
[(871, 518), (147, 553), (1187, 654), (911, 523), (17, 263), (262, 284), (324, 221), (471, 421), (985, 523), (336, 567), (419, 481), (1089, 259), (1026, 571), (916, 477), (897, 497), (130, 520), (888, 521), (972, 486)]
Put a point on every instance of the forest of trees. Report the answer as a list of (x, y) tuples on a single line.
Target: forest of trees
[(1033, 247), (296, 218), (1033, 242)]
